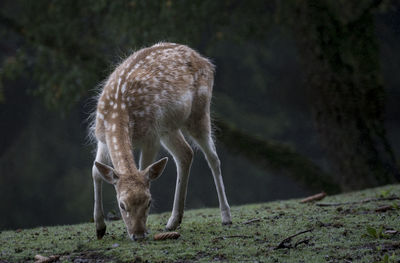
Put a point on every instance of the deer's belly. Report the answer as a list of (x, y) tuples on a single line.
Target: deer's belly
[(155, 120)]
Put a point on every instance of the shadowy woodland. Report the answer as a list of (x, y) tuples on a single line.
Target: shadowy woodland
[(305, 98)]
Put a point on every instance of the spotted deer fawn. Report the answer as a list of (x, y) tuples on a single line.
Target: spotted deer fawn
[(151, 99)]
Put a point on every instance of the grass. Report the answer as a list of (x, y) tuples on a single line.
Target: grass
[(343, 233)]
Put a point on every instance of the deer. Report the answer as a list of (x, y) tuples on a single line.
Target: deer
[(158, 96)]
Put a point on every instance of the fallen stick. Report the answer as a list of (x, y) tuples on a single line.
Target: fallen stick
[(391, 232), (360, 202), (43, 259), (304, 241), (289, 238), (316, 197), (384, 208)]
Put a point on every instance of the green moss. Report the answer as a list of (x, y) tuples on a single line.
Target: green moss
[(339, 234)]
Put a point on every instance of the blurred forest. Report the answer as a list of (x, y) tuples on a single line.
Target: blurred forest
[(306, 97)]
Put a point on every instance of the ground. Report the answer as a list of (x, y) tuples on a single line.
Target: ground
[(366, 230)]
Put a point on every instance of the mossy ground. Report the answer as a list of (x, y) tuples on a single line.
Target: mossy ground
[(339, 234)]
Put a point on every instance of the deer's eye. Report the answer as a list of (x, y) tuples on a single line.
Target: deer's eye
[(122, 206), (149, 204)]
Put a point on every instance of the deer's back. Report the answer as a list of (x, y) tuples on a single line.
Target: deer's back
[(154, 90)]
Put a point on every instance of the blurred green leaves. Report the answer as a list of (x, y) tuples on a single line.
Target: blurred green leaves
[(72, 43)]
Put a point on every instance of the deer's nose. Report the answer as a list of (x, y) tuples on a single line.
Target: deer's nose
[(138, 236)]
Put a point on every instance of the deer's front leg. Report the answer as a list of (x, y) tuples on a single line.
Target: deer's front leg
[(183, 156), (98, 213)]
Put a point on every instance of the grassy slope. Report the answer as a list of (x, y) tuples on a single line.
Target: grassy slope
[(338, 235)]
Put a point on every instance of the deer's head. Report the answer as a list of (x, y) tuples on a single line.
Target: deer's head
[(133, 194)]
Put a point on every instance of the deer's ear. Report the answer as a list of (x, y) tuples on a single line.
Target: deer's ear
[(107, 173), (155, 170)]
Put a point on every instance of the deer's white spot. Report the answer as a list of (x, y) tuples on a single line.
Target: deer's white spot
[(130, 73), (114, 115), (115, 106), (123, 88), (123, 106), (115, 146), (187, 96), (101, 116), (116, 93), (113, 127), (203, 90)]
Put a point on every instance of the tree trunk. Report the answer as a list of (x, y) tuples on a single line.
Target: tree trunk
[(340, 54)]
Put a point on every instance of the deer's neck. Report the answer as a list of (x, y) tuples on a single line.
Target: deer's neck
[(120, 146)]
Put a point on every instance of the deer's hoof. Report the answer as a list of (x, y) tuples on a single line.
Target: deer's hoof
[(100, 232), (173, 223), (226, 218), (227, 223)]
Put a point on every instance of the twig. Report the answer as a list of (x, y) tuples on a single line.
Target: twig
[(43, 259), (391, 232), (360, 202), (252, 221), (315, 197), (304, 241), (384, 208), (288, 239)]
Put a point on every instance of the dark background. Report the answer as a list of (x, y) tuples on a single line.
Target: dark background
[(306, 98)]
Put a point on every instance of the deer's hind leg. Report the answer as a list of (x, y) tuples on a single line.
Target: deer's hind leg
[(98, 214), (177, 146), (200, 131), (148, 153)]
